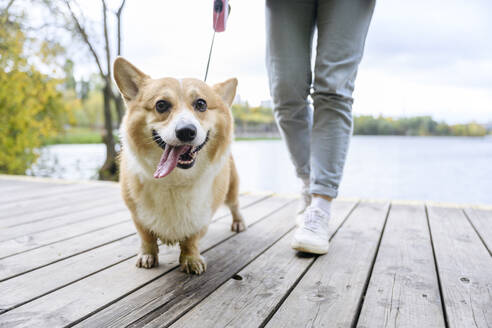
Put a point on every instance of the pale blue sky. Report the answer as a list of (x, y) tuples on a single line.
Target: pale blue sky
[(423, 57)]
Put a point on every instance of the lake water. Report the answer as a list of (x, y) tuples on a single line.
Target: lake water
[(446, 169)]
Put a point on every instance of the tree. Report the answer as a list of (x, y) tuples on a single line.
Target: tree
[(102, 58), (413, 126), (109, 169), (89, 114), (31, 103)]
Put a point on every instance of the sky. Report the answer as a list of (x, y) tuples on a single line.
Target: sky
[(422, 57)]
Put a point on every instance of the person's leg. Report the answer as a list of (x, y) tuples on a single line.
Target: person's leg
[(289, 31), (342, 29)]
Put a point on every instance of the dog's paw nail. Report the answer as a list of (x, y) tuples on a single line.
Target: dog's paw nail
[(147, 261), (193, 264), (238, 226)]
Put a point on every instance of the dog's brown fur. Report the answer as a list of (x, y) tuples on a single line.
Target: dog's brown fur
[(171, 208)]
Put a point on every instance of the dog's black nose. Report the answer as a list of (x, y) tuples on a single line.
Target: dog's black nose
[(186, 133)]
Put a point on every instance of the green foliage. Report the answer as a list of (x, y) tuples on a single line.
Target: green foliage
[(370, 125), (471, 129), (70, 83), (252, 115), (256, 138), (31, 103), (90, 112), (75, 136), (413, 126)]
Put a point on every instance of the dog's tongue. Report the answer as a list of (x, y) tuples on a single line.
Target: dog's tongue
[(169, 160)]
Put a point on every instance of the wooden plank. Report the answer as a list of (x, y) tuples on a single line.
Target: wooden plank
[(33, 284), (47, 237), (57, 221), (24, 262), (7, 184), (12, 193), (33, 205), (92, 200), (161, 302), (482, 222), (9, 178), (88, 295), (403, 290), (12, 187), (34, 209), (41, 256), (247, 299), (41, 192), (245, 200), (464, 267), (329, 294), (101, 199)]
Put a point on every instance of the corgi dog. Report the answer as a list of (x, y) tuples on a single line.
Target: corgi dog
[(176, 167)]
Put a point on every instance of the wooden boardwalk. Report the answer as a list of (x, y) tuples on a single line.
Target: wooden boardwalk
[(67, 258)]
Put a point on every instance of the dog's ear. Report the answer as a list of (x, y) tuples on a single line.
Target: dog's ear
[(226, 90), (128, 77)]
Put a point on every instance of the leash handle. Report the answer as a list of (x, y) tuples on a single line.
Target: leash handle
[(220, 15)]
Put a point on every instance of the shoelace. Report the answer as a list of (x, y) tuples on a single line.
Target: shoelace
[(313, 219)]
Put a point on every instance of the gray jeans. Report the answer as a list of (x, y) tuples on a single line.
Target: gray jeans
[(317, 139)]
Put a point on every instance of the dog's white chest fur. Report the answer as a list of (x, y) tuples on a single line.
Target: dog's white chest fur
[(178, 205), (174, 213)]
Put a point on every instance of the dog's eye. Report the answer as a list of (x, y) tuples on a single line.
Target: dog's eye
[(161, 106), (200, 105)]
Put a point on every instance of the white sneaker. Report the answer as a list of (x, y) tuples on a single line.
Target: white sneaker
[(311, 236)]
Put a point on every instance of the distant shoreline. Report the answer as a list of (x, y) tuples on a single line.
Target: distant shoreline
[(258, 123), (87, 136)]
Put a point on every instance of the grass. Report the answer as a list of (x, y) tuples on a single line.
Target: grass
[(256, 138), (75, 136), (79, 135)]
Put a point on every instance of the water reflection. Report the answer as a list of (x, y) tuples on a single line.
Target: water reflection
[(417, 168)]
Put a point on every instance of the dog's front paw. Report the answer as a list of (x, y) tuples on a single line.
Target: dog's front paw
[(147, 261), (238, 226), (193, 264)]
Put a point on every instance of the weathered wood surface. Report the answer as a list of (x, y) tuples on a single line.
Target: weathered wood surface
[(403, 290), (35, 258), (86, 296), (67, 258), (160, 302), (482, 222), (37, 192), (15, 209), (465, 268), (97, 204), (46, 237), (248, 298), (331, 290)]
